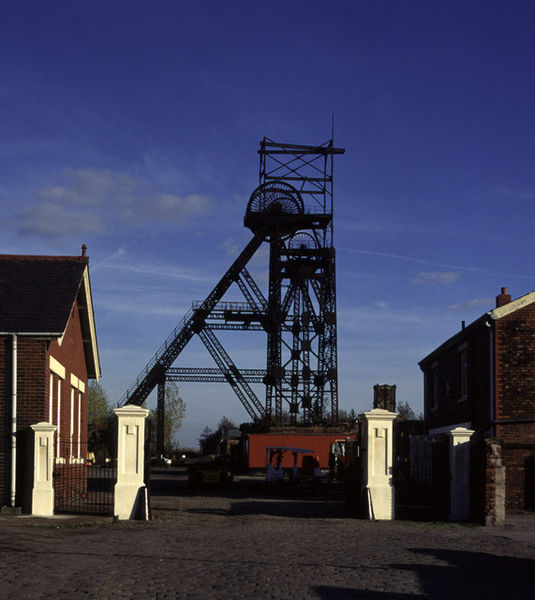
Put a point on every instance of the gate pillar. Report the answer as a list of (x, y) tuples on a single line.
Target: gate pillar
[(130, 459), (42, 457), (379, 446), (460, 474)]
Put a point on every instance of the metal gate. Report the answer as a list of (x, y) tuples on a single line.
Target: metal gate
[(422, 479), (82, 485)]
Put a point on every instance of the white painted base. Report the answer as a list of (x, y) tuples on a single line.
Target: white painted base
[(42, 502), (380, 502), (125, 502)]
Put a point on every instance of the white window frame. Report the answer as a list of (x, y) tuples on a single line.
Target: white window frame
[(58, 369), (58, 430), (51, 399), (71, 432), (77, 389), (79, 424)]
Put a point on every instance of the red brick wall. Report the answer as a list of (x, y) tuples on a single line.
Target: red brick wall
[(32, 381), (4, 415), (70, 353), (519, 491), (515, 402), (515, 356)]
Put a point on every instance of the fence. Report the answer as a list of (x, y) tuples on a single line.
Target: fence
[(421, 478), (80, 485)]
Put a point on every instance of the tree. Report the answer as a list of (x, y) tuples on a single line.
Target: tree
[(98, 406), (100, 423), (175, 411), (210, 439), (348, 417), (406, 412)]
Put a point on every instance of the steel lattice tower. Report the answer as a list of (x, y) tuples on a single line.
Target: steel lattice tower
[(292, 211)]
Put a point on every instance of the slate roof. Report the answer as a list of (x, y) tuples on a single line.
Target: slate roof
[(37, 293)]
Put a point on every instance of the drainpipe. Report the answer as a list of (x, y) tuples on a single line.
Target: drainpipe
[(491, 379), (13, 419)]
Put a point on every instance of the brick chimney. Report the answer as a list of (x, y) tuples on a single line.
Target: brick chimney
[(503, 298), (384, 396)]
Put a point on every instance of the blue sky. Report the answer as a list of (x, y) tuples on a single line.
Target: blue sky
[(133, 127)]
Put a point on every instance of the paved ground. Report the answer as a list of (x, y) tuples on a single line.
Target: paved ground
[(239, 546)]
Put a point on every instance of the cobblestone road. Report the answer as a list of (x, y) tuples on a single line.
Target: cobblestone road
[(204, 547)]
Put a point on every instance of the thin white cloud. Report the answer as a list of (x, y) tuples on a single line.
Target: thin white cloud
[(157, 271), (474, 303), (373, 226), (443, 277), (92, 201), (505, 190), (421, 261), (141, 309), (231, 247), (382, 305), (366, 317), (52, 219), (122, 260), (434, 264)]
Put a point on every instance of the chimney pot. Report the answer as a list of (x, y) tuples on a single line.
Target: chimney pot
[(503, 298)]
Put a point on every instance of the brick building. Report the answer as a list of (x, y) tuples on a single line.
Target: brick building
[(483, 378), (48, 351)]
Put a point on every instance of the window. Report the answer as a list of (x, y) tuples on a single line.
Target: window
[(71, 432), (58, 423), (76, 418), (54, 408), (79, 424), (463, 373), (51, 399), (57, 375), (431, 387), (434, 387), (77, 390)]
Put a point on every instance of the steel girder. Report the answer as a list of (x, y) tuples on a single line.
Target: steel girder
[(299, 313), (232, 374), (192, 323)]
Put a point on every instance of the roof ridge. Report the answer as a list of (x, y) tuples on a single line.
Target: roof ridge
[(513, 306), (43, 257)]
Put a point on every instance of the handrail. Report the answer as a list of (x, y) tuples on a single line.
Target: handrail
[(232, 306), (192, 323), (154, 360)]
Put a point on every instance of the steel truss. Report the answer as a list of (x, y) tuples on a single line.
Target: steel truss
[(292, 210)]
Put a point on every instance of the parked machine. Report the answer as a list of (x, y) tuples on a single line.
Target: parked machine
[(215, 471), (274, 470), (345, 463)]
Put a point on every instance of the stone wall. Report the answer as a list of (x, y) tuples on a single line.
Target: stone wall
[(488, 481)]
